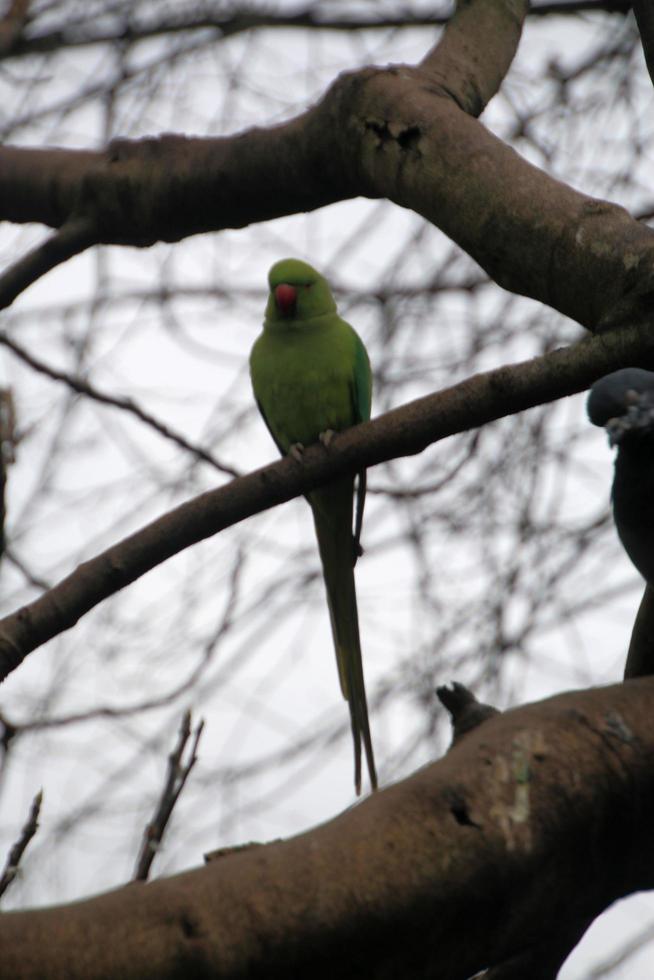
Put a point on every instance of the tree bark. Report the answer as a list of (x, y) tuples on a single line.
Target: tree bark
[(407, 133), (498, 855)]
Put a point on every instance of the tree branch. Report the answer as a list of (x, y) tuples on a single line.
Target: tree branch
[(7, 454), (404, 133), (18, 849), (485, 859), (74, 235), (176, 777), (475, 52), (401, 432)]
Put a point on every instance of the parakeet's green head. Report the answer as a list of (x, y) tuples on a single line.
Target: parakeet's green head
[(297, 293)]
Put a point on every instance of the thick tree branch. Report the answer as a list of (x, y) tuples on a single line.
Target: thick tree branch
[(476, 51), (402, 432), (404, 133), (487, 858)]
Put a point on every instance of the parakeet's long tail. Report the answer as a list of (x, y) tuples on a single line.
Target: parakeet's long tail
[(332, 513)]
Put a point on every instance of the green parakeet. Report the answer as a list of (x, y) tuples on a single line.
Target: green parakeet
[(311, 377)]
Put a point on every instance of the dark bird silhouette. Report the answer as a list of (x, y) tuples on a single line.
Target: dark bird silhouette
[(623, 403)]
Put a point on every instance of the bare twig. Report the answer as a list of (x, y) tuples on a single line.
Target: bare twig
[(175, 779), (18, 849), (125, 404), (412, 492), (34, 580), (7, 452), (73, 237)]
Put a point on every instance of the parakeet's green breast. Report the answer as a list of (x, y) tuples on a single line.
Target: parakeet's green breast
[(304, 378)]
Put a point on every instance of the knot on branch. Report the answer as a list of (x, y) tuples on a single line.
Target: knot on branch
[(466, 712), (406, 137)]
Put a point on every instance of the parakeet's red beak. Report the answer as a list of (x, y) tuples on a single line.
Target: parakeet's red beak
[(286, 298)]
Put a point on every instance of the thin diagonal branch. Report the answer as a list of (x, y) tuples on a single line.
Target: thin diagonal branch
[(18, 849), (7, 453), (116, 401), (402, 432), (176, 777), (34, 580), (75, 235)]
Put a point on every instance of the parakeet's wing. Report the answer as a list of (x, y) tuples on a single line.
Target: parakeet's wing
[(274, 437), (361, 403), (362, 389)]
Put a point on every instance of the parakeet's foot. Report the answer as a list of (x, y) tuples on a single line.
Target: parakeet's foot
[(357, 550), (326, 437), (296, 451)]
